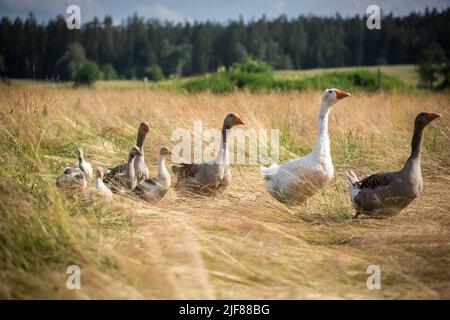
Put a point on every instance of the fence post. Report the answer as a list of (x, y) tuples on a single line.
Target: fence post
[(379, 78)]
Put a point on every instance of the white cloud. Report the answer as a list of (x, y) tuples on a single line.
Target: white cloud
[(162, 12), (280, 7)]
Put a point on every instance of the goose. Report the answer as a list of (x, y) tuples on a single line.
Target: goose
[(140, 168), (209, 177), (296, 180), (100, 186), (386, 194), (127, 179), (155, 188), (83, 164), (71, 177)]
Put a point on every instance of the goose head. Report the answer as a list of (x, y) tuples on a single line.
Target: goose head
[(144, 128), (424, 118), (331, 96), (233, 119), (165, 151), (68, 170), (79, 175), (135, 151), (100, 173), (80, 152)]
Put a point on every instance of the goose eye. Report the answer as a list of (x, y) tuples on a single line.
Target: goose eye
[(329, 91)]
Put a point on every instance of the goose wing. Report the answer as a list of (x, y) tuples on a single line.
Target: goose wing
[(377, 194), (121, 168), (376, 180), (142, 187), (187, 170)]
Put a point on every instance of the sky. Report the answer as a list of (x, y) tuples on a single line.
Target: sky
[(214, 10)]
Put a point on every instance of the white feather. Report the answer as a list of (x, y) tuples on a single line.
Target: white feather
[(353, 187), (267, 172), (102, 189)]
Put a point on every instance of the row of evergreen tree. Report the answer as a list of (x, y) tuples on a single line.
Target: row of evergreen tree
[(29, 49)]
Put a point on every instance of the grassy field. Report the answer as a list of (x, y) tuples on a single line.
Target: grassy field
[(406, 73), (241, 244)]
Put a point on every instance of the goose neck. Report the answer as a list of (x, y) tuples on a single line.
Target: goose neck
[(413, 162), (163, 173), (99, 182), (322, 146), (130, 168), (416, 142), (140, 139), (162, 169), (223, 155)]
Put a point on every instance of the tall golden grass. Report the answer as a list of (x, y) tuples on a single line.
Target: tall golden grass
[(241, 244)]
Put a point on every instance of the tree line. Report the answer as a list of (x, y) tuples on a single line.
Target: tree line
[(138, 47)]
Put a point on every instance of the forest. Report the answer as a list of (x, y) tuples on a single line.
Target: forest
[(137, 47)]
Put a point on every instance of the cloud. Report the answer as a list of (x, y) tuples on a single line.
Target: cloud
[(280, 7), (165, 13), (162, 12)]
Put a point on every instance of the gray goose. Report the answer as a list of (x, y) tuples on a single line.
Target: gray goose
[(209, 177), (386, 194), (154, 189), (83, 164), (141, 170), (127, 179)]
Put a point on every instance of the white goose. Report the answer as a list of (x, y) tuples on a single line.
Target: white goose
[(296, 180), (100, 186)]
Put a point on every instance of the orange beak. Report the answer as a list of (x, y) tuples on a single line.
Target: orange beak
[(146, 127), (432, 115), (341, 94), (239, 120)]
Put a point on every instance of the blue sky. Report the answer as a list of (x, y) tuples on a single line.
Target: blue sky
[(217, 10)]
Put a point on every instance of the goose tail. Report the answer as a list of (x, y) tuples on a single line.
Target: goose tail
[(353, 187), (268, 172), (352, 179)]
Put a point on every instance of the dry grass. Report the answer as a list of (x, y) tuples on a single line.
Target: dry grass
[(241, 244)]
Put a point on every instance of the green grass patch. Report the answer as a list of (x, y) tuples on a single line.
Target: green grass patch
[(229, 81)]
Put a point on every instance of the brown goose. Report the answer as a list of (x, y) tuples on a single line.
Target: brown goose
[(385, 194), (154, 189), (209, 177), (141, 170)]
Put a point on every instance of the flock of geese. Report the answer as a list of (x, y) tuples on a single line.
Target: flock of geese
[(292, 183)]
